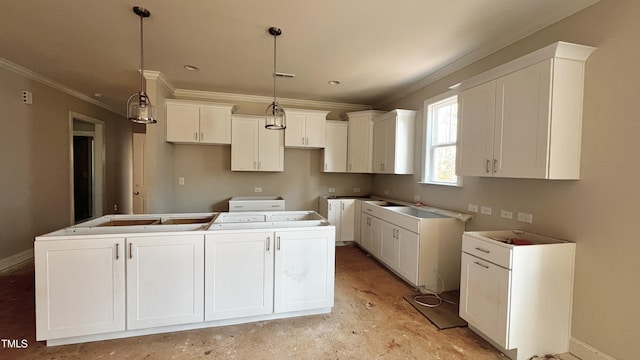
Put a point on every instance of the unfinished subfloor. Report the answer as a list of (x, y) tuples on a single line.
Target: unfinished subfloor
[(370, 320)]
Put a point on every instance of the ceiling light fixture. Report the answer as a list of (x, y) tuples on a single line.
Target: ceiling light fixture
[(139, 108), (274, 116), (191, 68)]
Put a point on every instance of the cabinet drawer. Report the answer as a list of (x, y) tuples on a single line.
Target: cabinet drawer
[(487, 251)]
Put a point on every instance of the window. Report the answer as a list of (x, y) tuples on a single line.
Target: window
[(441, 117)]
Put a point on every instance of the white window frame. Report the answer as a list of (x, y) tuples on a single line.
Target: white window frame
[(427, 149)]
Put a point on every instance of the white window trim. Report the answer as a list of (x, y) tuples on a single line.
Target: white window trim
[(426, 140)]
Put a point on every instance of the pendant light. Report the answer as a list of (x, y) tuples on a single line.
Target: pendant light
[(274, 116), (139, 108)]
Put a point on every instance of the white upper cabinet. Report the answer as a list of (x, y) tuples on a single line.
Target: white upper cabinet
[(195, 122), (360, 141), (393, 142), (524, 118), (305, 128), (254, 148), (334, 154)]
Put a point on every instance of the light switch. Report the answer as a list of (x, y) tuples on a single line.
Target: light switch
[(472, 208), (485, 210), (181, 180)]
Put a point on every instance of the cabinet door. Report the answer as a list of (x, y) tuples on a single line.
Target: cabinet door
[(365, 232), (238, 275), (244, 144), (347, 220), (334, 216), (183, 123), (360, 145), (390, 246), (484, 297), (376, 236), (522, 122), (165, 280), (215, 125), (390, 147), (304, 270), (408, 254), (294, 134), (270, 149), (315, 127), (81, 287), (379, 146), (477, 109), (335, 149)]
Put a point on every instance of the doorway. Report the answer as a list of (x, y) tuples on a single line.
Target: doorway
[(87, 167)]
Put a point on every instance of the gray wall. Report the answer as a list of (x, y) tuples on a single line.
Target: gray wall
[(35, 185), (599, 211)]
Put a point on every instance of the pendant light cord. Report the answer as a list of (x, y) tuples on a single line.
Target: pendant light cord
[(141, 55), (274, 67)]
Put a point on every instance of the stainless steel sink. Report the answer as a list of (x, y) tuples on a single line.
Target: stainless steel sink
[(423, 214)]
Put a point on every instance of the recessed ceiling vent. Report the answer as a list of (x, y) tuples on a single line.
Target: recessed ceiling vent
[(285, 75)]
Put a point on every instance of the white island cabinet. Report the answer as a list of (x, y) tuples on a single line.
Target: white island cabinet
[(129, 275)]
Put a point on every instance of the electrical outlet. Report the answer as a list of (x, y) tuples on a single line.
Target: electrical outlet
[(115, 207), (181, 180), (27, 97), (506, 214), (472, 208), (386, 192), (485, 210), (258, 190), (416, 197), (525, 218), (356, 190), (332, 190)]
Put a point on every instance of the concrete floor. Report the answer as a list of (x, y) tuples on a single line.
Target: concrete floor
[(370, 320)]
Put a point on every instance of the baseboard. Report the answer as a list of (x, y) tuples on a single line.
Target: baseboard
[(585, 351), (16, 259)]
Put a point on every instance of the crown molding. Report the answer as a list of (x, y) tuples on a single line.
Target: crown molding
[(285, 102), (161, 79), (32, 75)]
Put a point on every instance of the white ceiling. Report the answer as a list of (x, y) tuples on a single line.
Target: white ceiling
[(377, 49)]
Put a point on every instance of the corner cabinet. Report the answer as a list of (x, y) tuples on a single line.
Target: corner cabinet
[(254, 148), (305, 128), (334, 154), (524, 118), (341, 214), (393, 142), (195, 122), (360, 141)]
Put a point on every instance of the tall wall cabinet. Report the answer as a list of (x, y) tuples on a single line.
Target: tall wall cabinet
[(334, 154), (393, 142), (360, 143), (524, 118)]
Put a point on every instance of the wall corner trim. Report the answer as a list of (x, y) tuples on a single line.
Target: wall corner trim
[(585, 351), (16, 259)]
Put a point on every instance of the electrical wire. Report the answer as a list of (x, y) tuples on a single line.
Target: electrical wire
[(431, 298)]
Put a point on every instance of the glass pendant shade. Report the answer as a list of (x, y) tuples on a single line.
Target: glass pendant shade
[(140, 110), (275, 117)]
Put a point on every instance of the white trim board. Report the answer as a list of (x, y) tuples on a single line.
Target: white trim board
[(16, 259), (585, 351), (32, 75)]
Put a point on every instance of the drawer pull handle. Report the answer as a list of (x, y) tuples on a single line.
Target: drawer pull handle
[(480, 264), (483, 250)]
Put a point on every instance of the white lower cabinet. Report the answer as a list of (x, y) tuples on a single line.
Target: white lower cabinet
[(165, 280), (265, 272), (238, 275), (518, 297), (304, 270), (408, 254), (80, 287), (341, 214)]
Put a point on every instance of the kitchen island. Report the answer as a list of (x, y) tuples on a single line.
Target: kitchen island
[(128, 275)]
